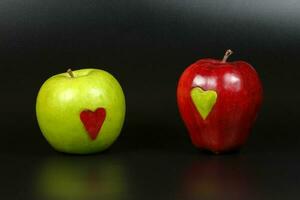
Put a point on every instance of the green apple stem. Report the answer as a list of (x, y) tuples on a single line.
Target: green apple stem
[(227, 54), (70, 72)]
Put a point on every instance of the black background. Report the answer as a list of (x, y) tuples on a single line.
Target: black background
[(146, 45)]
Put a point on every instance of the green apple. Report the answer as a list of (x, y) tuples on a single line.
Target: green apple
[(67, 111)]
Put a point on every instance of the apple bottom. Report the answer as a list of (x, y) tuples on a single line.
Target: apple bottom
[(225, 150), (217, 141)]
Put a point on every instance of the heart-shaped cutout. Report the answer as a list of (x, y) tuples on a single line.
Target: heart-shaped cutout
[(203, 100), (93, 121)]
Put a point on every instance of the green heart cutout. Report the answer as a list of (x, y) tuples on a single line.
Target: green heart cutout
[(203, 100)]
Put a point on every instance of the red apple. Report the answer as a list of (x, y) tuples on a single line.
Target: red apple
[(218, 102)]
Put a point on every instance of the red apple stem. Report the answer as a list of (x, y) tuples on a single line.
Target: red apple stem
[(227, 54), (70, 72)]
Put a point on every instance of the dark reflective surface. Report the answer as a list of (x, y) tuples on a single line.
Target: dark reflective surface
[(216, 179), (80, 178), (152, 172)]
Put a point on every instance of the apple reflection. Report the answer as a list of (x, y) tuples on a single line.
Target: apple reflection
[(216, 179), (80, 178)]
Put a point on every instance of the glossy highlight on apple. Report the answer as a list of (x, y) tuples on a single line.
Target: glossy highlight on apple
[(81, 111), (218, 102)]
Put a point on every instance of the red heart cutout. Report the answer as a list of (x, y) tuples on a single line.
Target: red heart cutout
[(93, 121)]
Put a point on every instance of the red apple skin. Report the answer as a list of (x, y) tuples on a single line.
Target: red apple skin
[(239, 91)]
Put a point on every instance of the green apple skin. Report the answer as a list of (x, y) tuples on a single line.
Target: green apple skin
[(62, 98)]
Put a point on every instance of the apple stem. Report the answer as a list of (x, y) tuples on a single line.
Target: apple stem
[(227, 54), (70, 72)]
